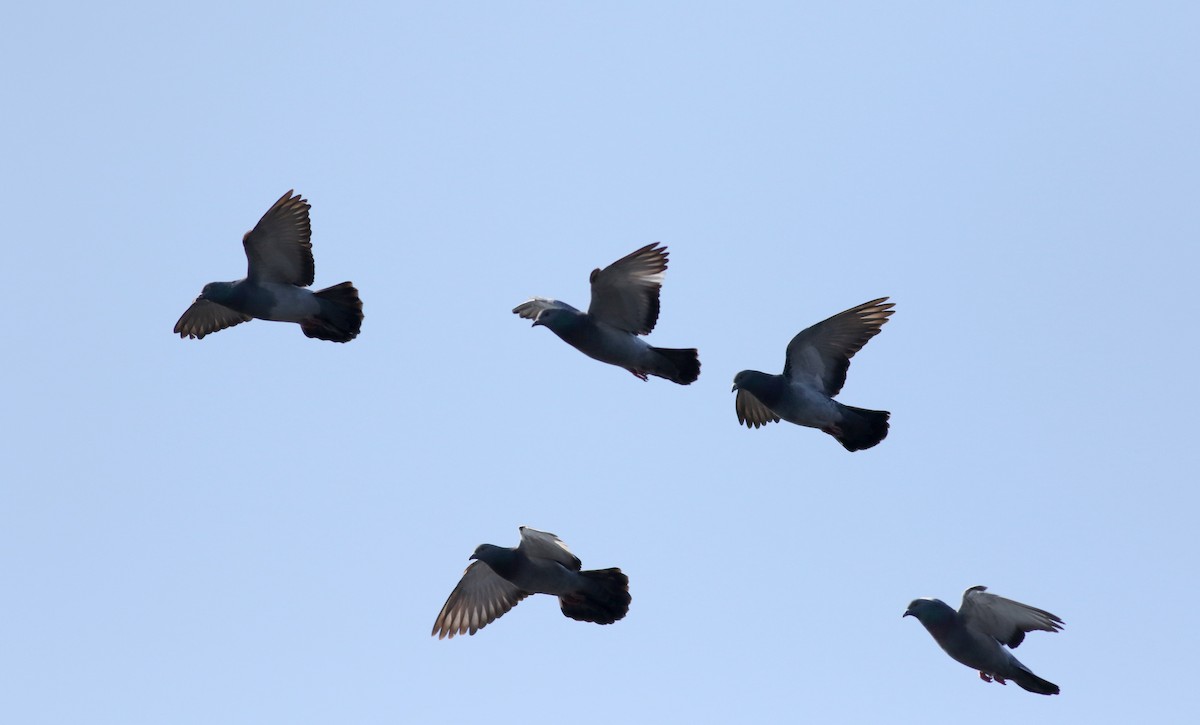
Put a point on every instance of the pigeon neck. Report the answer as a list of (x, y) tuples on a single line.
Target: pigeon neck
[(223, 292), (501, 560), (567, 326), (767, 388), (938, 616), (939, 625)]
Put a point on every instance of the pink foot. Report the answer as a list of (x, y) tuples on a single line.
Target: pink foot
[(639, 375)]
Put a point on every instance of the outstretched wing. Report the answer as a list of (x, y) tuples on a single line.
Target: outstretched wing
[(480, 598), (751, 411), (544, 545), (1003, 619), (625, 293), (205, 316), (820, 355), (279, 247), (535, 306)]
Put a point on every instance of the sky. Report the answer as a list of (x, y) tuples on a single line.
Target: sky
[(258, 527)]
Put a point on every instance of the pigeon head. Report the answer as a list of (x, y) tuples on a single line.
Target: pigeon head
[(217, 291), (930, 611), (760, 385), (483, 551)]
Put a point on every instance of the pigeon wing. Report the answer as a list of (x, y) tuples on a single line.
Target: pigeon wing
[(480, 598), (279, 247), (1003, 619), (751, 411), (535, 306), (625, 293), (544, 545), (820, 355), (205, 316)]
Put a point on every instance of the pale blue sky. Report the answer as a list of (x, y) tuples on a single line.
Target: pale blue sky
[(260, 528)]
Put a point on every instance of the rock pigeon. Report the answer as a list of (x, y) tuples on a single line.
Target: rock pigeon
[(624, 305), (279, 251), (976, 634), (814, 372), (540, 564)]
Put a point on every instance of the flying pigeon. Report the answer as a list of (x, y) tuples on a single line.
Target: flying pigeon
[(540, 564), (279, 251), (814, 372), (976, 634), (624, 305)]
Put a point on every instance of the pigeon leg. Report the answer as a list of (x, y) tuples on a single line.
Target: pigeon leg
[(639, 375), (985, 676)]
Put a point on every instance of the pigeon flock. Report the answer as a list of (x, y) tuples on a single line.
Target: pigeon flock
[(624, 306)]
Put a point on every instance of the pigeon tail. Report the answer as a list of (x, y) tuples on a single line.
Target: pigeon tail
[(679, 365), (861, 428), (341, 314), (1031, 682), (603, 599)]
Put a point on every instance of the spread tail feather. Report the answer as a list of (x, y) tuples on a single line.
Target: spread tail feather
[(861, 428), (679, 365), (341, 314), (604, 599), (1029, 681)]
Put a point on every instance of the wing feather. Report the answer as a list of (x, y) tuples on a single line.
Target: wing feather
[(206, 316), (625, 293), (821, 354), (544, 545), (751, 411), (532, 308), (1004, 619), (279, 247), (480, 598)]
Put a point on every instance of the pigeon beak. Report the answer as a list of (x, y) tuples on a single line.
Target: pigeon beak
[(733, 388), (907, 612), (536, 323), (472, 556)]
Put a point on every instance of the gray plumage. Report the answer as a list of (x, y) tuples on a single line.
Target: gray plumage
[(978, 634), (813, 372), (541, 564), (625, 304), (280, 266)]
